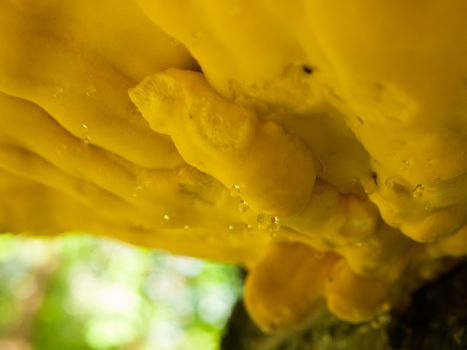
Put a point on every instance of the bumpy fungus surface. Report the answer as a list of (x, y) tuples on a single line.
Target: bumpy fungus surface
[(320, 144)]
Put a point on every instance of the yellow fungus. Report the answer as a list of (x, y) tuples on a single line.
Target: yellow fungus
[(322, 145)]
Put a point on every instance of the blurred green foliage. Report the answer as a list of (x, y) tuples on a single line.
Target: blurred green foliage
[(83, 293)]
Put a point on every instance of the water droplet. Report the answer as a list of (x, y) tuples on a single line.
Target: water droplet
[(243, 206), (186, 227), (276, 220), (235, 191), (418, 191), (231, 227), (390, 182), (138, 189), (268, 223), (166, 217), (84, 133)]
